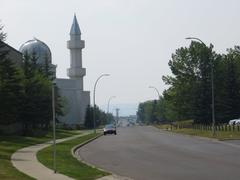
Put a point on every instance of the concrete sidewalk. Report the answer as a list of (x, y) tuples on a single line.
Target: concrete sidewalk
[(25, 160)]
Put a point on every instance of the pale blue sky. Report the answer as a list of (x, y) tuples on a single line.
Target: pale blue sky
[(131, 39)]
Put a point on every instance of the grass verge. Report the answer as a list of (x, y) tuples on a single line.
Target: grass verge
[(10, 144), (220, 135), (68, 165)]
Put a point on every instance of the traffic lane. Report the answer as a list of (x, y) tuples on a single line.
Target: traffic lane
[(148, 153)]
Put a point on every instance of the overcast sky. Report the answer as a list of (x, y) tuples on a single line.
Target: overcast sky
[(130, 39)]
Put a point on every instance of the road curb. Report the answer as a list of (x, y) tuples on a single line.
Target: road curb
[(75, 148)]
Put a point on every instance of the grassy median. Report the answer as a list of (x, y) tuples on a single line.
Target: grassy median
[(10, 144), (221, 135), (68, 165)]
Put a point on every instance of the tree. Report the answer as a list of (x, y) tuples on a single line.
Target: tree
[(232, 83), (37, 106), (60, 103), (3, 35), (153, 116), (189, 95), (101, 117), (168, 108), (46, 68), (140, 113), (11, 86), (227, 86), (190, 91), (109, 119), (26, 91), (149, 112), (88, 123), (184, 69)]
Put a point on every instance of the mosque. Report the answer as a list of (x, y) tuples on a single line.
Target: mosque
[(71, 90)]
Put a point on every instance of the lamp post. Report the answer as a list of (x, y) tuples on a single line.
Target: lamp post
[(158, 96), (156, 91), (108, 106), (212, 86), (109, 102), (94, 106), (54, 126), (117, 117)]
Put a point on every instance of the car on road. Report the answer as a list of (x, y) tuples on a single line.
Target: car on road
[(109, 129)]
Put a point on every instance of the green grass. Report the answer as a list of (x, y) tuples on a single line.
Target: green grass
[(66, 163), (163, 126), (221, 135), (10, 144)]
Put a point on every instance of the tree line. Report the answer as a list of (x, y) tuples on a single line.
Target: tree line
[(189, 92), (25, 92), (101, 117)]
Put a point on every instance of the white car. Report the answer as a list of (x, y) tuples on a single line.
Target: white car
[(234, 121), (237, 122)]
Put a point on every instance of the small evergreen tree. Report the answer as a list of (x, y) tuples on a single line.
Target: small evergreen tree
[(89, 117), (100, 117)]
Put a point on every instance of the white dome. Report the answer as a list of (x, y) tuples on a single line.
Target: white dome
[(40, 49)]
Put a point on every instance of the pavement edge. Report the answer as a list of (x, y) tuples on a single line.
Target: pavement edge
[(75, 148)]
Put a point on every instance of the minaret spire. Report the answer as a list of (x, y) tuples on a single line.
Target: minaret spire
[(75, 30)]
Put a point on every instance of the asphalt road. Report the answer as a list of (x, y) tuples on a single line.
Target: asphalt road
[(147, 153)]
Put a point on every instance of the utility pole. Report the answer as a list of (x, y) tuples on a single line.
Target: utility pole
[(109, 103), (117, 116), (54, 127)]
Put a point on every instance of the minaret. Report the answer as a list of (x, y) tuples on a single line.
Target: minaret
[(75, 45)]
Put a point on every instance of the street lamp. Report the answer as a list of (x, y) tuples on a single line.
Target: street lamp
[(197, 39), (108, 106), (212, 85), (156, 91), (54, 126), (109, 103), (94, 106)]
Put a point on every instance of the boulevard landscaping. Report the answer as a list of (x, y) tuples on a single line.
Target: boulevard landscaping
[(66, 163), (226, 132), (10, 144)]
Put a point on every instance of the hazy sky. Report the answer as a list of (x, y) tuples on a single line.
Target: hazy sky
[(130, 39)]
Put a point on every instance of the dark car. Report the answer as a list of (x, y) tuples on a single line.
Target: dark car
[(109, 129)]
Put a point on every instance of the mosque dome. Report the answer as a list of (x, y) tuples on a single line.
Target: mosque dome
[(40, 49)]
